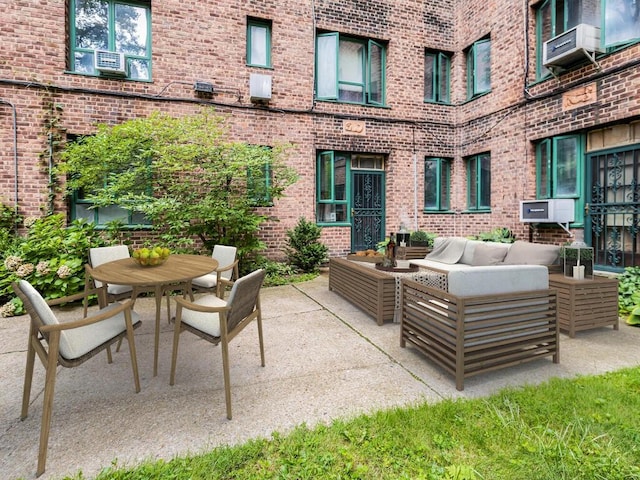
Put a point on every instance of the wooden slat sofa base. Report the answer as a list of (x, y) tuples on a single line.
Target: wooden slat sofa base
[(371, 290), (471, 335)]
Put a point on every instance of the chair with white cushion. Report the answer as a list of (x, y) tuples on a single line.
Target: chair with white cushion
[(218, 321), (100, 255), (113, 293), (69, 344), (223, 276)]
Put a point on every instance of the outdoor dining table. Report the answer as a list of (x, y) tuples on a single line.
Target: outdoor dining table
[(176, 269)]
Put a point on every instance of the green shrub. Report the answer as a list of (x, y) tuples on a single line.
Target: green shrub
[(420, 236), (500, 234), (51, 257), (304, 250), (629, 295)]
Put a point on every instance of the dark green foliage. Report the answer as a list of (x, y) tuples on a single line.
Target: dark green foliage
[(304, 249), (51, 257), (629, 295), (500, 234), (185, 175)]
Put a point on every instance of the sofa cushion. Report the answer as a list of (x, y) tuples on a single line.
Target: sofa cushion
[(489, 254), (449, 250), (498, 279), (527, 253), (469, 250), (439, 266)]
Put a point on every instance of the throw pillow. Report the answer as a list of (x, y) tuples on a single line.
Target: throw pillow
[(527, 253), (489, 254)]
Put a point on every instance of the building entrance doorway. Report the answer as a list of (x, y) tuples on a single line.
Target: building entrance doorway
[(367, 209)]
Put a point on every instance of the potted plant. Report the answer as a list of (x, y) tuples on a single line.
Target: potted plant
[(574, 255), (420, 238)]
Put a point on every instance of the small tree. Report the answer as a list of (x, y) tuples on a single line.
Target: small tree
[(304, 250), (184, 175)]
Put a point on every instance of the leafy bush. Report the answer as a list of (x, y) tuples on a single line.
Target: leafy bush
[(279, 273), (304, 250), (629, 295), (51, 257), (500, 234), (185, 175), (420, 236)]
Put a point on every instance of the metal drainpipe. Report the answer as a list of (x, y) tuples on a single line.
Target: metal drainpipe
[(15, 154)]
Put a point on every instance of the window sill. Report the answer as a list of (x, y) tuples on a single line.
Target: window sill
[(336, 224), (340, 102), (107, 77), (445, 212), (481, 210)]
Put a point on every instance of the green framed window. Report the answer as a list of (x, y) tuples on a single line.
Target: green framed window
[(620, 28), (479, 68), (437, 74), (618, 21), (258, 43), (259, 182), (479, 183), (560, 167), (437, 175), (109, 37), (350, 70), (102, 216), (332, 188)]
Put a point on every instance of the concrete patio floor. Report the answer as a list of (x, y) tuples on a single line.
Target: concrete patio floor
[(325, 359)]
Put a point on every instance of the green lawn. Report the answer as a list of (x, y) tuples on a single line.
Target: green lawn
[(587, 428)]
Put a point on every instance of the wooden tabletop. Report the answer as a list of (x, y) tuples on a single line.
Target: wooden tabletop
[(177, 268)]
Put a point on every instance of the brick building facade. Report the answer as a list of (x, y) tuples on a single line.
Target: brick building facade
[(492, 125)]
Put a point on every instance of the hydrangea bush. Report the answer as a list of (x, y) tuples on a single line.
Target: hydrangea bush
[(51, 257)]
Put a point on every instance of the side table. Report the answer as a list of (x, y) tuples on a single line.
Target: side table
[(585, 304)]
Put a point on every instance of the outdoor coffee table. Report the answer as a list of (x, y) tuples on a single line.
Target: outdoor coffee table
[(177, 269), (376, 291)]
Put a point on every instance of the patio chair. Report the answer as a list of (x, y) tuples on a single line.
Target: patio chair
[(100, 255), (69, 344), (223, 276), (219, 321)]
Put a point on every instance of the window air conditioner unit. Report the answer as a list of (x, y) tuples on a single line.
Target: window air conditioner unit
[(552, 210), (260, 87), (109, 63), (572, 46)]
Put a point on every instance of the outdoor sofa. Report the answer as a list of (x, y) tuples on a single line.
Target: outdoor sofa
[(474, 318)]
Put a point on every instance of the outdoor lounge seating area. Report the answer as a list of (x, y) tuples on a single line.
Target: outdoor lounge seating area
[(325, 359)]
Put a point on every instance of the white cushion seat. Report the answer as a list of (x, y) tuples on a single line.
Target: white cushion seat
[(207, 322), (76, 342)]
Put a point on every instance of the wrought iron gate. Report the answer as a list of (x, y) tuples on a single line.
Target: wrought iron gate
[(367, 209), (612, 220)]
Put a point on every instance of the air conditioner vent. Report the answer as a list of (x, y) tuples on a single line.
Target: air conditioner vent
[(552, 210), (260, 87), (109, 63), (574, 45)]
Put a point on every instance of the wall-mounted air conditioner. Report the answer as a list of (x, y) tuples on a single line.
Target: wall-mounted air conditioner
[(574, 45), (551, 210), (109, 63), (260, 87)]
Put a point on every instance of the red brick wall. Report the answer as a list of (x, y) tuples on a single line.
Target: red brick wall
[(205, 40)]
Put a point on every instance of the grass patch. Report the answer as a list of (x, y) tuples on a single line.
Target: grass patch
[(587, 428)]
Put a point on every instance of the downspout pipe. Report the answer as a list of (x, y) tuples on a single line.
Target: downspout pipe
[(15, 154)]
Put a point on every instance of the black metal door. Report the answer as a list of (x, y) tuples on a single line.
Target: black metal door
[(612, 220), (367, 209)]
